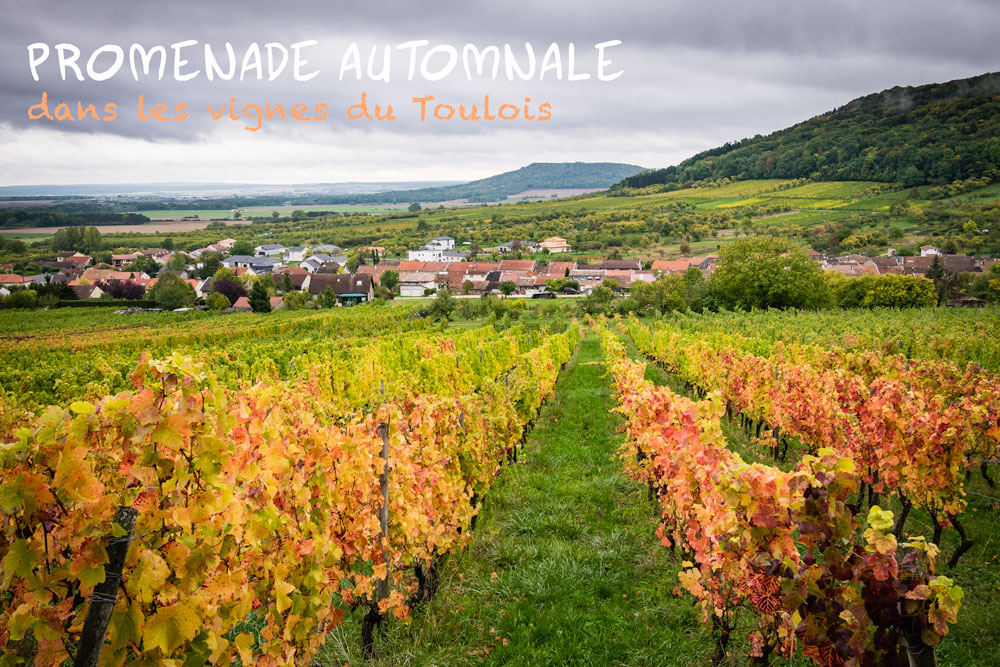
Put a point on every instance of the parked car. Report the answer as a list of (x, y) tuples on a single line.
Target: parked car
[(544, 295), (570, 290)]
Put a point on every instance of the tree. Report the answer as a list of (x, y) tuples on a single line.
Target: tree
[(697, 291), (467, 286), (298, 214), (354, 260), (508, 287), (210, 263), (170, 292), (899, 208), (284, 284), (178, 262), (444, 304), (768, 273), (328, 299), (168, 243), (295, 300), (389, 279), (936, 274), (123, 289), (414, 207), (260, 301), (241, 248), (885, 291), (217, 301), (685, 249), (231, 289), (237, 215), (22, 298), (598, 301), (664, 295), (274, 215)]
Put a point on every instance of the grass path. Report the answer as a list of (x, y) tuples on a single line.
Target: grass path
[(564, 568)]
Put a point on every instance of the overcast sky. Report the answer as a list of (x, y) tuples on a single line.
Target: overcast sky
[(696, 73)]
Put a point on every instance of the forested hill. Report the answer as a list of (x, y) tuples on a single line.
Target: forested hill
[(937, 133), (541, 175)]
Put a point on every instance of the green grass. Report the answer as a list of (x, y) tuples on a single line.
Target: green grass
[(14, 235), (564, 564)]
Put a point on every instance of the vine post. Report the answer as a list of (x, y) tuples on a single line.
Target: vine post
[(105, 595), (373, 618)]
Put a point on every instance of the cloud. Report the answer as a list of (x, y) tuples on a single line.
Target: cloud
[(696, 74)]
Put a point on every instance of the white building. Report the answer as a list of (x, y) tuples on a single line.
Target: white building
[(270, 250), (928, 251), (314, 262), (441, 243), (554, 244), (295, 253)]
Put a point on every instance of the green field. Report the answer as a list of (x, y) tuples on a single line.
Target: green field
[(226, 214)]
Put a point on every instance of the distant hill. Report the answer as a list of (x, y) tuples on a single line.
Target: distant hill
[(210, 189), (937, 133), (538, 175)]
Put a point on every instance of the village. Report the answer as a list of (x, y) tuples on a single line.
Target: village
[(324, 273)]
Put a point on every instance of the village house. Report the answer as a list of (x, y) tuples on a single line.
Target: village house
[(554, 245), (295, 253), (270, 250), (76, 258), (351, 290), (328, 249), (517, 246), (153, 253), (10, 279), (435, 250), (317, 261), (93, 275), (413, 283), (88, 291), (125, 259), (257, 265)]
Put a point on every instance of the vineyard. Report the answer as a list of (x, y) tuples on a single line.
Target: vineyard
[(362, 484)]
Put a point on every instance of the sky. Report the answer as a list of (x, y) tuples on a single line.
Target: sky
[(694, 74)]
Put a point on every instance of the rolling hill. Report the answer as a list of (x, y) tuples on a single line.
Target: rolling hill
[(931, 134), (538, 175)]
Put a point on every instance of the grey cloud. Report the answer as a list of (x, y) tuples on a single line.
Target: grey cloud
[(695, 71)]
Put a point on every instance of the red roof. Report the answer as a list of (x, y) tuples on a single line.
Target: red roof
[(411, 266), (293, 271), (559, 269), (482, 267), (435, 267), (13, 279), (242, 303), (523, 265), (672, 266)]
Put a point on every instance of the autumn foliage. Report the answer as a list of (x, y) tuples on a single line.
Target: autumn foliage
[(257, 502)]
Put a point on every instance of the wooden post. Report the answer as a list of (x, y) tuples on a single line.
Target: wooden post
[(102, 601), (373, 618), (382, 588)]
